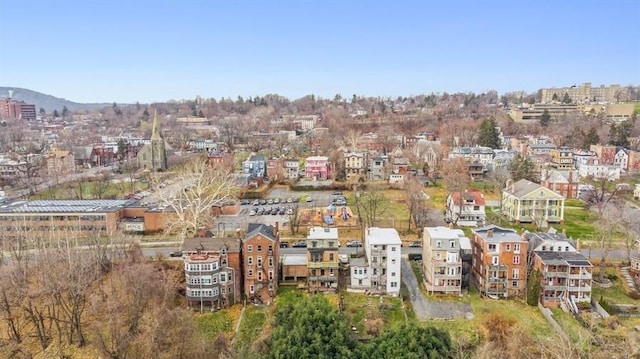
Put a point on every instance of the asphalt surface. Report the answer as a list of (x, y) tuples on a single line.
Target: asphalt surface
[(427, 309)]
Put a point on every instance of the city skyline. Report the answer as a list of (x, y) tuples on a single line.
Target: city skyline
[(156, 51)]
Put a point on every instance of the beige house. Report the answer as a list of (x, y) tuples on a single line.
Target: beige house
[(322, 259), (355, 165), (525, 201), (442, 263), (60, 162)]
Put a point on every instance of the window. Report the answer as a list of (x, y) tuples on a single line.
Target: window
[(259, 248), (330, 256), (452, 244), (314, 244), (514, 283), (223, 290), (270, 262), (516, 259), (355, 271), (249, 248), (250, 273), (438, 244), (438, 255), (394, 284), (393, 261), (359, 281), (223, 277), (393, 248), (515, 274), (251, 289), (259, 275), (250, 261), (544, 248), (330, 243), (476, 208), (270, 275), (365, 271), (495, 260), (508, 247), (566, 249), (516, 248), (393, 274), (492, 247), (214, 279), (259, 261), (270, 248)]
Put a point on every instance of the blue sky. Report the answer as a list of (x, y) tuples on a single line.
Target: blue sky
[(127, 51)]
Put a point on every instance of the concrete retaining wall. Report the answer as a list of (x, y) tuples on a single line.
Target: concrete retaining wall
[(548, 315)]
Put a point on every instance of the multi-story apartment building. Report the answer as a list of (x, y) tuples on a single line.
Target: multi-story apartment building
[(499, 267), (210, 283), (355, 165), (322, 261), (466, 208), (585, 93), (562, 159), (529, 202), (606, 153), (382, 247), (260, 255), (378, 168), (60, 162), (607, 172), (565, 183), (16, 110), (230, 260), (316, 168), (566, 273), (256, 166), (479, 154), (292, 168), (441, 259), (621, 159), (275, 169)]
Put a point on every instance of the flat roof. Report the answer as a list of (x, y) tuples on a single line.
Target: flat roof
[(383, 236), (323, 233), (65, 206), (444, 232), (294, 260)]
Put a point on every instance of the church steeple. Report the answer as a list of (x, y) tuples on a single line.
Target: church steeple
[(155, 133)]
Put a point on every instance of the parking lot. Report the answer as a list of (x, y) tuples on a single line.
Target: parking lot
[(278, 204)]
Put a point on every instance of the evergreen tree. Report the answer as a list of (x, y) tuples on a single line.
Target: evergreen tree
[(619, 134), (591, 138), (121, 147), (545, 119), (55, 113), (521, 168), (489, 135), (65, 111), (42, 111), (410, 341), (554, 97), (566, 99)]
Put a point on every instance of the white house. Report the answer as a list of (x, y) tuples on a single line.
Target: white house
[(442, 262), (292, 168), (621, 159), (610, 172), (467, 209), (379, 271)]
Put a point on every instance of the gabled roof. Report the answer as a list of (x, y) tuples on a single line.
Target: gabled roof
[(524, 187), (259, 228), (476, 196)]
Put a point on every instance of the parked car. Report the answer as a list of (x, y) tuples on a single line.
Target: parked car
[(256, 202), (289, 211), (276, 200), (284, 244), (244, 202), (252, 212), (263, 202), (270, 201), (354, 244), (289, 200), (175, 254), (309, 199), (300, 244), (415, 245)]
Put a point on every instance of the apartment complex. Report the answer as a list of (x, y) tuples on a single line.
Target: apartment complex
[(355, 165), (585, 93), (227, 250), (565, 183), (16, 110), (562, 159), (316, 168), (499, 267), (382, 249), (566, 273), (260, 255), (210, 283), (322, 260), (528, 202), (441, 259)]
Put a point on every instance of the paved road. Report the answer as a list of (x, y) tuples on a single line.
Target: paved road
[(418, 301), (428, 308)]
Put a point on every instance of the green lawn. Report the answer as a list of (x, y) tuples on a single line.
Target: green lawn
[(578, 222), (253, 324), (213, 324), (438, 195), (578, 334), (89, 190), (617, 294)]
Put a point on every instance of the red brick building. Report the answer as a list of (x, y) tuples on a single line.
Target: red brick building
[(260, 255)]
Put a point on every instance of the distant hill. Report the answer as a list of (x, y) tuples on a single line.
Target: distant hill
[(48, 102)]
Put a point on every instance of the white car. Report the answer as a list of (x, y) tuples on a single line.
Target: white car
[(252, 212)]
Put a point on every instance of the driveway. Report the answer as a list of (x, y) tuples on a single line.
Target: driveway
[(426, 309)]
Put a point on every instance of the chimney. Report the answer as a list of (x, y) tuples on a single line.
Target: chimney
[(578, 245), (450, 225), (523, 236), (490, 233), (201, 232), (275, 230)]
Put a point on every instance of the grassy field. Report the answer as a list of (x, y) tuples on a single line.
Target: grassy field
[(220, 322), (578, 334), (438, 195), (90, 190), (617, 294), (253, 325)]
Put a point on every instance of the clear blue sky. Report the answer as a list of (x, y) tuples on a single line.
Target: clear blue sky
[(156, 50)]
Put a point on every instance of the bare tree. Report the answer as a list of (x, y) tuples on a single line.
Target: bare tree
[(415, 199), (455, 174), (295, 219), (191, 198), (370, 205)]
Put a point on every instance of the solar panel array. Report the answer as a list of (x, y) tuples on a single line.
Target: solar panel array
[(66, 205)]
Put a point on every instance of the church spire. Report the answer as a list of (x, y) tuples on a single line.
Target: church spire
[(155, 133)]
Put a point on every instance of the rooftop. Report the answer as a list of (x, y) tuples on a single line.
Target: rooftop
[(443, 233), (323, 233), (294, 260), (383, 236), (493, 233), (66, 206), (563, 258), (206, 244)]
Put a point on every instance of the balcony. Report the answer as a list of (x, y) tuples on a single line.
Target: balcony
[(557, 274), (498, 267), (447, 276), (582, 275), (316, 265), (324, 278), (496, 280)]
